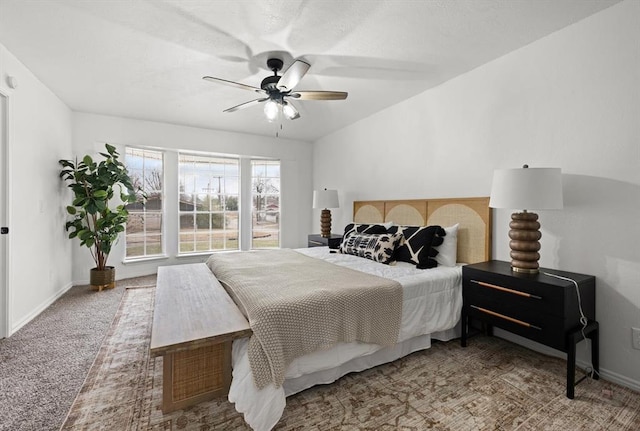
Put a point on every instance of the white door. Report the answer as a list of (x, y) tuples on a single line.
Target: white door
[(4, 138)]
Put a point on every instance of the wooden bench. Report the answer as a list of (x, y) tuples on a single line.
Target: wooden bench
[(194, 324)]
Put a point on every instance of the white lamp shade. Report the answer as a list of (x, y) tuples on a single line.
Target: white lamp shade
[(325, 199), (527, 188)]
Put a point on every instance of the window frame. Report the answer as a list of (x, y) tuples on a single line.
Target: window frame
[(250, 179), (222, 191), (161, 212)]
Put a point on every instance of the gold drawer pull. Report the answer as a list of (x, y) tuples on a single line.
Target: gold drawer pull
[(510, 319), (504, 289)]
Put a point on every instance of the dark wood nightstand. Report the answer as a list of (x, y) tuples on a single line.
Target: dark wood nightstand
[(539, 307), (317, 240)]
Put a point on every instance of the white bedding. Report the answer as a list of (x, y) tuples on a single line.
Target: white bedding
[(432, 300)]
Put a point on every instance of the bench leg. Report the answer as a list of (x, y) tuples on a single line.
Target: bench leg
[(192, 376)]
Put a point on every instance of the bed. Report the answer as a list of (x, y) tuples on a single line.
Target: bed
[(431, 301)]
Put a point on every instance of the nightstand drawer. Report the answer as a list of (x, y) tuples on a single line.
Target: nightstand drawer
[(317, 240), (533, 326), (521, 308), (547, 299), (537, 300)]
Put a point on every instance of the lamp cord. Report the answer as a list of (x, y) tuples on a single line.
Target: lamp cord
[(583, 319)]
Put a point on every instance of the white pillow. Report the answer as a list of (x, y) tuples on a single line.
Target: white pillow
[(448, 251)]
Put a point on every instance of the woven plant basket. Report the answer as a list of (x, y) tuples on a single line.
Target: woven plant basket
[(105, 279)]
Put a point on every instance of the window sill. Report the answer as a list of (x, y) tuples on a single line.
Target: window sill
[(205, 253), (144, 259)]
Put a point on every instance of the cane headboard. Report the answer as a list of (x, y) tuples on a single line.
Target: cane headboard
[(473, 215)]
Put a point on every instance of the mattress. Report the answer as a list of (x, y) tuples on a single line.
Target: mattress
[(432, 301)]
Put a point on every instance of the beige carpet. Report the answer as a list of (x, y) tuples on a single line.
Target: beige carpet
[(490, 385)]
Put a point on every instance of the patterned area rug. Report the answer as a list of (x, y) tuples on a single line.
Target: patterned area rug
[(490, 385)]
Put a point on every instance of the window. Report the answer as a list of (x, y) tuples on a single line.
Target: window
[(265, 212), (144, 227), (208, 203)]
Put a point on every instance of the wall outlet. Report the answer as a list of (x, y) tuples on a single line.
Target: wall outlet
[(635, 332)]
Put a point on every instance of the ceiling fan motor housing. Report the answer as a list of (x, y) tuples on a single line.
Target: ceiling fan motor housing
[(269, 83)]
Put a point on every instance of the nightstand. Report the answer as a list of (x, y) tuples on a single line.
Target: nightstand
[(539, 307), (317, 240)]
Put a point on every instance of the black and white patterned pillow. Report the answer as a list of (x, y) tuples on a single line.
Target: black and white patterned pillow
[(417, 245), (363, 228), (377, 247)]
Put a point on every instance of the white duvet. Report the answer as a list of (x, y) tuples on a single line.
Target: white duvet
[(432, 300)]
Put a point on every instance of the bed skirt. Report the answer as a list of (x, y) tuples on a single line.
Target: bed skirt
[(272, 400)]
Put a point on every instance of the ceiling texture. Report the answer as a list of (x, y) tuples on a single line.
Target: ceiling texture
[(145, 59)]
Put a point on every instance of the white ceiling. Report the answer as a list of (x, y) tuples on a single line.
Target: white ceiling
[(144, 59)]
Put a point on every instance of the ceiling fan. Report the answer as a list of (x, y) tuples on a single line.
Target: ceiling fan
[(277, 90)]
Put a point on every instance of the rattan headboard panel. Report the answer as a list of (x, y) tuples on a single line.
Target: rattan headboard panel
[(473, 215)]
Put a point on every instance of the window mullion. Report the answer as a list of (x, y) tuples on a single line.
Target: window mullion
[(245, 203)]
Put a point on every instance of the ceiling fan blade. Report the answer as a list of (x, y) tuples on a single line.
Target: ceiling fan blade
[(233, 84), (319, 95), (245, 105), (293, 75)]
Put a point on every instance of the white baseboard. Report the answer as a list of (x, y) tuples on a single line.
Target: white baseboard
[(540, 348), (81, 282), (619, 379), (39, 309)]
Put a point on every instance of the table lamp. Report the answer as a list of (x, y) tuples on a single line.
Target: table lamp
[(325, 199), (530, 188)]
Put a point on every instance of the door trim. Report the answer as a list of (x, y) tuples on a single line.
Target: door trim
[(5, 264)]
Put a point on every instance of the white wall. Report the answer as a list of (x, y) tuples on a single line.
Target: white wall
[(92, 131), (570, 100), (39, 268)]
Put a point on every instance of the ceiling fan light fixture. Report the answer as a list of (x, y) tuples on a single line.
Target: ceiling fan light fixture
[(271, 110), (289, 111)]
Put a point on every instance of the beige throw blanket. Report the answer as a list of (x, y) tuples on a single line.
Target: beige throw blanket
[(297, 304)]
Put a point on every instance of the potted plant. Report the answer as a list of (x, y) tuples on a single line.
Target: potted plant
[(95, 222)]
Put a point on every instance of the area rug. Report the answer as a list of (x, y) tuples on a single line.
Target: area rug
[(490, 385)]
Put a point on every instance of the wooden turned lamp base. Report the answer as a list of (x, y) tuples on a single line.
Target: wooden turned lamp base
[(525, 235), (325, 223)]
